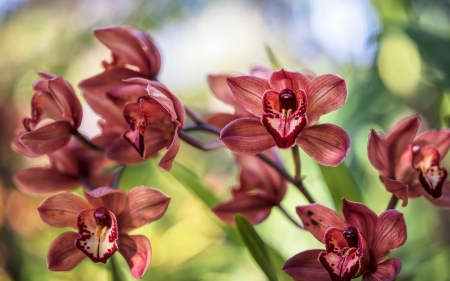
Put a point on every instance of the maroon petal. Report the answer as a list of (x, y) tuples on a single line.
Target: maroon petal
[(327, 144), (246, 136), (390, 233), (145, 205), (326, 93), (400, 137), (43, 105), (248, 90), (219, 86), (135, 135), (62, 254), (66, 99), (61, 209), (294, 81), (48, 138), (441, 139), (360, 216), (305, 266), (398, 188), (17, 146), (317, 219), (444, 201), (167, 160), (128, 93), (377, 152), (385, 271), (254, 207), (261, 72), (164, 101), (43, 181), (137, 251), (220, 120), (112, 199)]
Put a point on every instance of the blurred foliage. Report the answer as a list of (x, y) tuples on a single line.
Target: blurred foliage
[(409, 74)]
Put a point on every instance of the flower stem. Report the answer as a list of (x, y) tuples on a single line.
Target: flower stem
[(392, 202), (289, 217), (88, 143), (198, 144), (297, 163)]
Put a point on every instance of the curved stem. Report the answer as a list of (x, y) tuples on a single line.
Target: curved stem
[(198, 144), (88, 143), (392, 202), (297, 163), (202, 127), (192, 115), (289, 217)]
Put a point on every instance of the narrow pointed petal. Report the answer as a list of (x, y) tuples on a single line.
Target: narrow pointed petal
[(390, 234), (294, 81), (17, 146), (305, 266), (326, 93), (317, 219), (327, 144), (248, 90), (398, 188), (361, 217), (65, 97), (145, 205), (62, 254), (40, 180), (48, 138), (98, 242), (42, 106), (220, 88), (61, 209), (246, 136), (385, 271), (137, 251), (377, 152), (253, 207), (167, 160), (112, 199), (400, 137), (441, 139)]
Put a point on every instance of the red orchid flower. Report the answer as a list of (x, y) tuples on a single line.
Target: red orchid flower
[(134, 54), (53, 98), (410, 166), (260, 188), (71, 166), (358, 245), (285, 108), (153, 116), (103, 223)]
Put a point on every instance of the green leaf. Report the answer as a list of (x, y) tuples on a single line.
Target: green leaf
[(116, 273), (341, 183), (273, 60), (256, 247), (136, 175)]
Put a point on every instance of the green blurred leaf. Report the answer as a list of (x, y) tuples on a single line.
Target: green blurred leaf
[(341, 183), (278, 262), (273, 60), (256, 247), (138, 175), (116, 272)]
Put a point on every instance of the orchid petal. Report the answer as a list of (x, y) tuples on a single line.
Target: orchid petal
[(254, 208), (377, 152), (246, 136), (248, 90), (17, 146), (128, 93), (280, 80), (219, 86), (112, 199), (62, 254), (305, 266), (164, 101), (43, 105), (167, 160), (317, 219), (48, 138), (66, 99), (400, 137), (326, 93), (95, 240), (361, 217), (220, 120), (145, 205), (327, 144), (390, 234), (61, 209), (398, 188), (385, 271), (441, 139), (261, 72), (135, 135), (444, 200), (137, 251), (39, 180)]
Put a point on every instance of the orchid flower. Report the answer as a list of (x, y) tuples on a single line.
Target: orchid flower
[(53, 98), (354, 246), (409, 166), (285, 108), (102, 223), (260, 188)]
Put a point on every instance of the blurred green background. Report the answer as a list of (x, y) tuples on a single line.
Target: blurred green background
[(393, 55)]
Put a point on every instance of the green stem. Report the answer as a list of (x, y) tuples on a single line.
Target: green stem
[(297, 163), (392, 202), (289, 217), (88, 143)]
